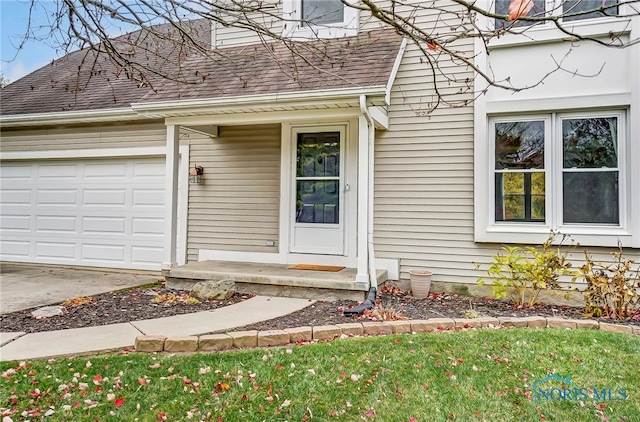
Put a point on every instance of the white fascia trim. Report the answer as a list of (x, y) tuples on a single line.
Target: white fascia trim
[(83, 153), (394, 71), (558, 103), (300, 98), (70, 117)]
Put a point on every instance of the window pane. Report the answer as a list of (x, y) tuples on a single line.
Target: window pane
[(537, 196), (590, 143), (502, 8), (318, 12), (575, 6), (318, 154), (520, 145), (520, 196), (591, 197), (317, 202)]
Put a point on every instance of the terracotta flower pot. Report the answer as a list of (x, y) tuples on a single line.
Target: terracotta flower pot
[(420, 283)]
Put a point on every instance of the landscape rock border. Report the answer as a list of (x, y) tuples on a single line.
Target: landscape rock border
[(254, 338)]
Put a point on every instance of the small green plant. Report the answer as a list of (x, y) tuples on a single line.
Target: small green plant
[(611, 288), (528, 270)]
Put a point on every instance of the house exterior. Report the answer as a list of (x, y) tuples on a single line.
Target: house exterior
[(334, 162)]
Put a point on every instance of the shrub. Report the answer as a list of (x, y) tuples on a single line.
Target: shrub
[(528, 270), (611, 289)]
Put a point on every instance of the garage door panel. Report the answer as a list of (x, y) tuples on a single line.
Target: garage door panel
[(57, 197), (146, 255), (100, 213), (22, 173), (104, 225), (17, 249), (148, 226), (105, 171), (105, 197), (148, 197), (51, 223), (15, 223), (104, 253), (58, 171), (56, 250), (15, 197), (149, 169)]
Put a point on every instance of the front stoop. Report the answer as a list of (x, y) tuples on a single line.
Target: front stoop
[(247, 339), (274, 280)]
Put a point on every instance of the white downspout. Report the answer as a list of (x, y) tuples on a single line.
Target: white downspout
[(373, 276)]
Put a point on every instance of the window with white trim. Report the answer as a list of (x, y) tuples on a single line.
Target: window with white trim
[(558, 170), (311, 19), (571, 10)]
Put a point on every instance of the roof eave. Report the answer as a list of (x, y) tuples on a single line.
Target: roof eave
[(296, 99), (70, 117)]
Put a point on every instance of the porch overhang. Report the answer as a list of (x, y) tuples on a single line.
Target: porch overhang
[(264, 108)]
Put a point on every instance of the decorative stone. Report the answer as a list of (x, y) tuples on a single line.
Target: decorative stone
[(215, 342), (424, 325), (326, 332), (181, 344), (299, 334), (48, 312), (587, 324), (513, 321), (374, 328), (616, 328), (242, 339), (150, 343), (536, 321), (214, 289), (351, 328), (400, 327), (272, 338), (554, 322)]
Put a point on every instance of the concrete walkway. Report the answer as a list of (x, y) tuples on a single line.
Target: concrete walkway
[(20, 346), (24, 286)]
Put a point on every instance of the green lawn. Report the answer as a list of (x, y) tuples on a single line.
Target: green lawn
[(483, 375)]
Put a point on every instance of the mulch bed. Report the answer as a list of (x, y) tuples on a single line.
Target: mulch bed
[(137, 304)]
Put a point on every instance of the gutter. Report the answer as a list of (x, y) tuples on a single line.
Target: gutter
[(70, 117), (295, 98), (373, 276)]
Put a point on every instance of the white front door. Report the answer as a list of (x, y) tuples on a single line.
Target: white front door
[(318, 186)]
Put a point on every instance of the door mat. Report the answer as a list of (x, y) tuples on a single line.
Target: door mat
[(316, 267)]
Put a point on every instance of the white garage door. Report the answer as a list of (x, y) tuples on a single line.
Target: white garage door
[(105, 213)]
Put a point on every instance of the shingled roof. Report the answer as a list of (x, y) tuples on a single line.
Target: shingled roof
[(84, 80)]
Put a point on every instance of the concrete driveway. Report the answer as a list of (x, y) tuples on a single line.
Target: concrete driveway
[(24, 286)]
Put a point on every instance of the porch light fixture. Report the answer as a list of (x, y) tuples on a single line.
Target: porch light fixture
[(195, 174)]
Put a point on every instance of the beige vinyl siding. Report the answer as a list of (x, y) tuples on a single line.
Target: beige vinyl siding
[(237, 206), (127, 135), (424, 172)]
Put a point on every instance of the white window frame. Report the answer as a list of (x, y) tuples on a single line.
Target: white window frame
[(489, 230), (294, 28), (590, 27)]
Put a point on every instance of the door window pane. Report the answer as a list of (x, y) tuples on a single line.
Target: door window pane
[(319, 12), (591, 197), (317, 202), (575, 6), (318, 155)]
